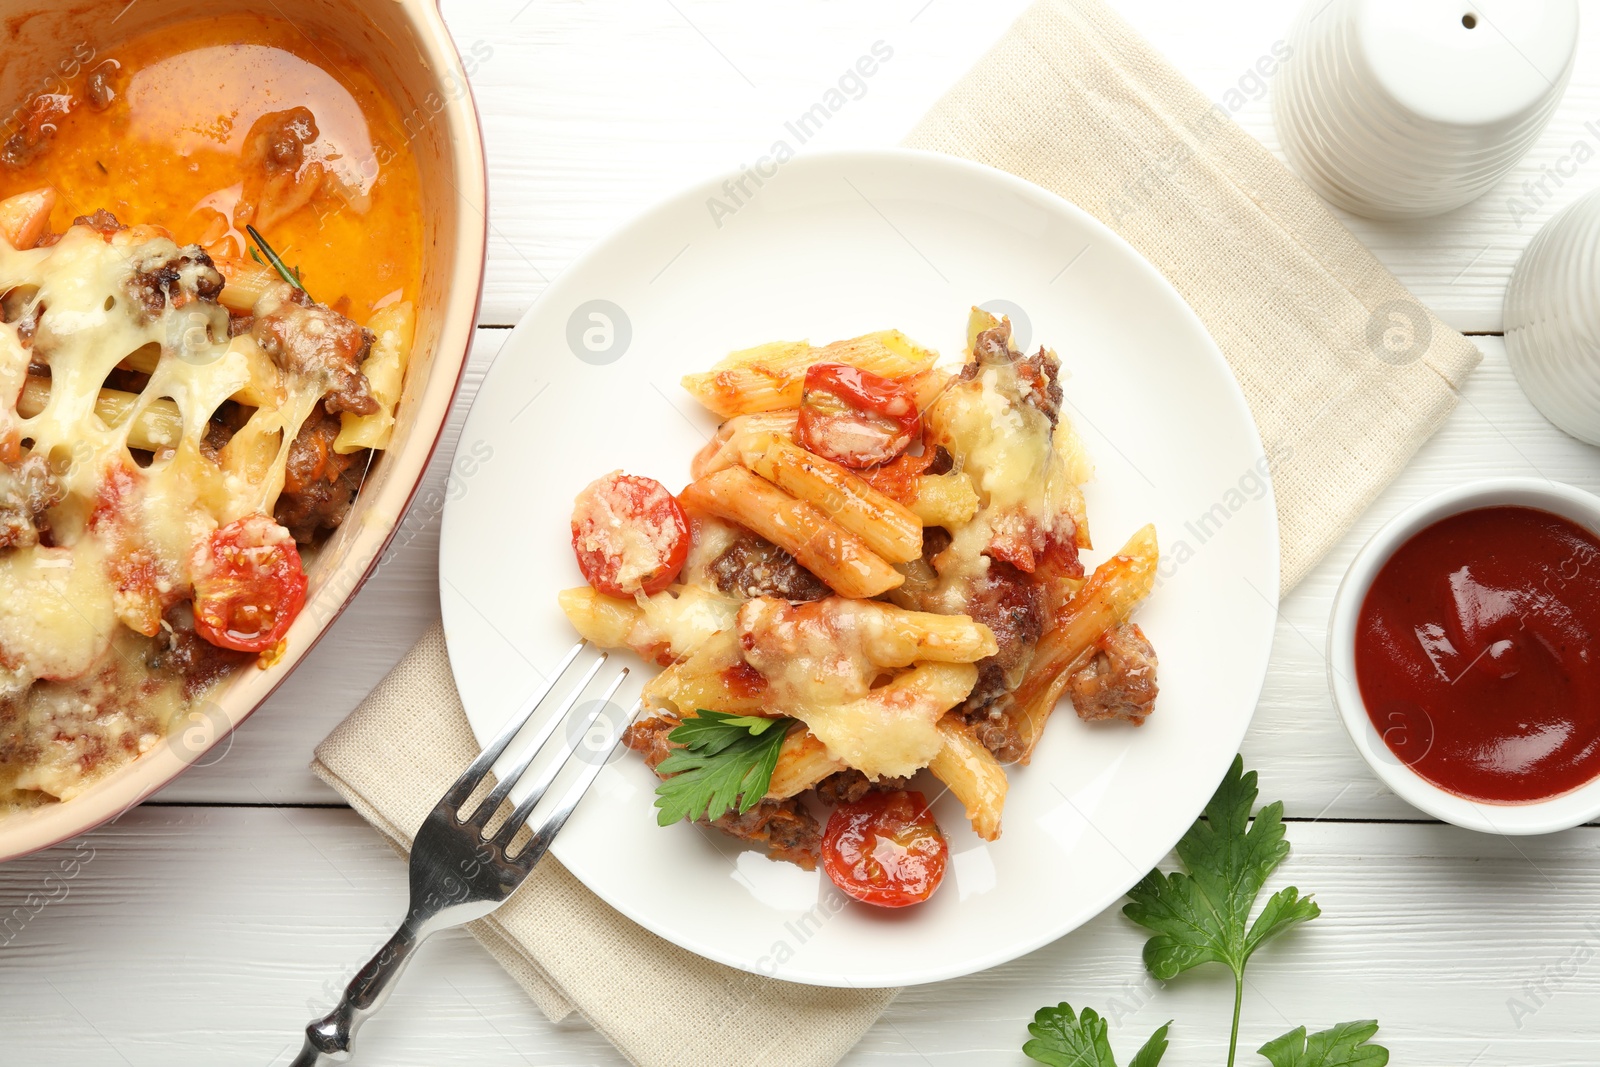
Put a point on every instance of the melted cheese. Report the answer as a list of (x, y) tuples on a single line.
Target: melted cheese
[(1002, 443), (124, 533), (809, 653), (1025, 471), (818, 660), (56, 620), (892, 732), (685, 620)]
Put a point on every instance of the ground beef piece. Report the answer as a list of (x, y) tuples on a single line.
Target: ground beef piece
[(1120, 681), (27, 491), (1038, 375), (318, 344), (284, 136), (844, 787), (752, 567), (102, 222), (785, 827), (1012, 605), (191, 657), (648, 737), (165, 274), (995, 728), (100, 87), (847, 787), (44, 114), (319, 484)]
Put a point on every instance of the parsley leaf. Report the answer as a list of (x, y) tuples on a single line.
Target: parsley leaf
[(1061, 1038), (726, 762), (1204, 916), (1343, 1046)]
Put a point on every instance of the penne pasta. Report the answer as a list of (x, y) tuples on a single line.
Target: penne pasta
[(802, 763), (723, 449), (385, 367), (603, 621), (159, 424), (247, 282), (25, 217), (770, 377), (895, 637), (973, 775), (888, 527), (1106, 599), (715, 676), (664, 627), (943, 499), (841, 559)]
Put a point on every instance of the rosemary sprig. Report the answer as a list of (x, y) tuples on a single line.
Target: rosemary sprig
[(274, 260)]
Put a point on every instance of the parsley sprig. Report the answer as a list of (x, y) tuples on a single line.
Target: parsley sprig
[(1202, 915), (725, 764)]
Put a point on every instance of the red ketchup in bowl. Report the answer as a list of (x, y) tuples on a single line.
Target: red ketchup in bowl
[(1478, 654)]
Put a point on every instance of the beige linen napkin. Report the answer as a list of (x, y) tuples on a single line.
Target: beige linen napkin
[(1345, 373)]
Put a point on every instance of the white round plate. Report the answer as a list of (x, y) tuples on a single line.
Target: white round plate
[(834, 246)]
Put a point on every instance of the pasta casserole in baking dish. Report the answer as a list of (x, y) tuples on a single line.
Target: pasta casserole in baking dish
[(179, 416), (874, 572)]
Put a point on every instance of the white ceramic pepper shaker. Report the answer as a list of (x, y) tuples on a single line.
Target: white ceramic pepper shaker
[(1397, 109), (1552, 316)]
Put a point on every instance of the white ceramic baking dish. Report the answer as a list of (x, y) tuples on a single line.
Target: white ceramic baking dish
[(405, 45)]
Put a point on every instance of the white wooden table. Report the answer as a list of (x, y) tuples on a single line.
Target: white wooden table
[(205, 927)]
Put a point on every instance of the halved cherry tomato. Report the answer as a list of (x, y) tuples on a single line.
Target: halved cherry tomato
[(248, 584), (885, 849), (854, 417), (630, 535)]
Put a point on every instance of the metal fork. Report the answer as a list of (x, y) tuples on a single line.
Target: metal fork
[(459, 872)]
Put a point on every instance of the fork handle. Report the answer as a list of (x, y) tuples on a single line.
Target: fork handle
[(328, 1038)]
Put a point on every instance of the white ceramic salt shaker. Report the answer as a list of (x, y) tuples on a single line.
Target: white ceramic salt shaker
[(1552, 315), (1407, 108)]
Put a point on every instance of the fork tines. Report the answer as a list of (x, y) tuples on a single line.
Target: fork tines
[(481, 814)]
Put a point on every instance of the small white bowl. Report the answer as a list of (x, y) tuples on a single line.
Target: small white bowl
[(1560, 812)]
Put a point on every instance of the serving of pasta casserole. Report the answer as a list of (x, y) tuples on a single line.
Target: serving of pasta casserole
[(874, 572)]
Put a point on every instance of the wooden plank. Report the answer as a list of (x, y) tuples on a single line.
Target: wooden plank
[(211, 936), (594, 115)]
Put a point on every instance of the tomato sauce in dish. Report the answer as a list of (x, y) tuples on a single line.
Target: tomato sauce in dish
[(1476, 652), (158, 129)]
